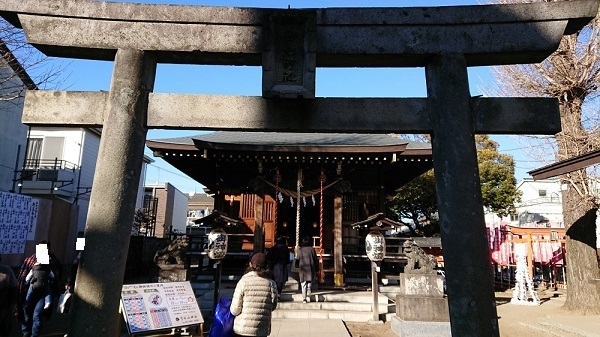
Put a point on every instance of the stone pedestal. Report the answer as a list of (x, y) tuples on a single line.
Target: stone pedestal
[(173, 273), (421, 307)]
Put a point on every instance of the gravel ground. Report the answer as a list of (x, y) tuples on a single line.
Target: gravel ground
[(510, 317)]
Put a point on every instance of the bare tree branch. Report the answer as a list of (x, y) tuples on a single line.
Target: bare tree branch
[(22, 67), (572, 75)]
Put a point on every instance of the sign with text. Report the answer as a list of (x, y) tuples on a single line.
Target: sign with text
[(156, 306), (18, 218)]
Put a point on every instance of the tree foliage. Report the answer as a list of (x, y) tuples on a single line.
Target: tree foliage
[(572, 75), (497, 175), (417, 200)]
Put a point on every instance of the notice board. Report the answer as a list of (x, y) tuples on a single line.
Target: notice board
[(156, 306), (18, 217)]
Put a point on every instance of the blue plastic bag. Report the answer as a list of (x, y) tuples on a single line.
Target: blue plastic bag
[(222, 324)]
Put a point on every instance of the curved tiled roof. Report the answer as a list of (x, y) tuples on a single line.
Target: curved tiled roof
[(294, 139)]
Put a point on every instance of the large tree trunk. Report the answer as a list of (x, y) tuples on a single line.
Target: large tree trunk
[(582, 266), (579, 212)]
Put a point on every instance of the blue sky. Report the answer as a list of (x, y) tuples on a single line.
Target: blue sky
[(83, 75)]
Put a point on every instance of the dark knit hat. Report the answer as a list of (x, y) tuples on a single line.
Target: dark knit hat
[(259, 260)]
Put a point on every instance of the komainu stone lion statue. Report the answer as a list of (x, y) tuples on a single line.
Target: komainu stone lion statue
[(174, 253), (418, 261)]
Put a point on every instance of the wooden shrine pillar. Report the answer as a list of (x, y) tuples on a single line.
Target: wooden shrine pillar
[(469, 276), (338, 265), (259, 226), (530, 254)]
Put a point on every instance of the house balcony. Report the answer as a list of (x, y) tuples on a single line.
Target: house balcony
[(48, 177)]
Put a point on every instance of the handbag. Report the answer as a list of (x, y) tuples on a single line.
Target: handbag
[(63, 302), (222, 325), (297, 263)]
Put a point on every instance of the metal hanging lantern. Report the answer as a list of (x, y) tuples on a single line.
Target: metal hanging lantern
[(217, 244), (375, 246)]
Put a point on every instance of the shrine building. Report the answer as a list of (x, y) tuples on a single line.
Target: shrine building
[(297, 184)]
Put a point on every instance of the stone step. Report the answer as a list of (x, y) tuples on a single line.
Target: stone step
[(211, 278), (348, 306), (207, 278), (336, 297), (347, 316), (206, 283), (334, 306), (203, 285)]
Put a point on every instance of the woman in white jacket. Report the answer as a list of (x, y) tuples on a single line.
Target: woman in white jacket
[(254, 299)]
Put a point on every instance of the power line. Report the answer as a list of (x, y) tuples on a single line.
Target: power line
[(174, 173)]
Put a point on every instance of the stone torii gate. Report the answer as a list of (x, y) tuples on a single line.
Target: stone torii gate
[(289, 45)]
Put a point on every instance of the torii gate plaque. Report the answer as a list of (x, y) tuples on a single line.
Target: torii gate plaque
[(444, 40)]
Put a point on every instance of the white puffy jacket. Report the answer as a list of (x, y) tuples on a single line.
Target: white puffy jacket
[(253, 301)]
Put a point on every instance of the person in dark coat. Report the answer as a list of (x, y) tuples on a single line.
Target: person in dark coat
[(307, 267), (279, 258), (70, 285), (31, 317), (8, 298)]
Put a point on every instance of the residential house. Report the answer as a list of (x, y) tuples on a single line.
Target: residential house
[(540, 206), (199, 205), (13, 133), (54, 166), (60, 162), (169, 207)]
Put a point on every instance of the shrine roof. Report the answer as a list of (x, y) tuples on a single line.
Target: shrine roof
[(377, 222), (258, 141), (230, 159)]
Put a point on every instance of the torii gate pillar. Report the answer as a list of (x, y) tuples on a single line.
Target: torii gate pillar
[(459, 199), (112, 201)]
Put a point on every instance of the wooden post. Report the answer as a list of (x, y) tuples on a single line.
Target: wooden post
[(218, 268), (338, 266), (259, 240), (530, 254), (321, 275), (375, 290)]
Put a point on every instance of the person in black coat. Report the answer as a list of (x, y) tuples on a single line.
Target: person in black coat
[(8, 298), (279, 258), (308, 265)]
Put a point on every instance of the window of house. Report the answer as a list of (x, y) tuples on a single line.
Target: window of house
[(34, 152), (52, 149), (42, 152), (542, 193)]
